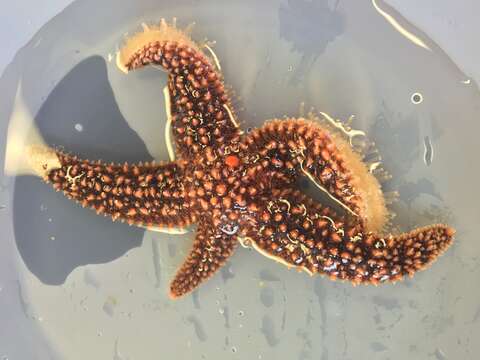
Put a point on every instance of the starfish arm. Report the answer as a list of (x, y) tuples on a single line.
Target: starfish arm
[(211, 249), (298, 232), (148, 195), (287, 149), (200, 109)]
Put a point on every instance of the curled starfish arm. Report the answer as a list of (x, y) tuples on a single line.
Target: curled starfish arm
[(211, 249), (147, 195), (298, 232), (200, 108), (287, 149)]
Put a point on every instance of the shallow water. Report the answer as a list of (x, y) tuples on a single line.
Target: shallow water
[(88, 288)]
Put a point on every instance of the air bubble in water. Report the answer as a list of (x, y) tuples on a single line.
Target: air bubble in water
[(416, 98)]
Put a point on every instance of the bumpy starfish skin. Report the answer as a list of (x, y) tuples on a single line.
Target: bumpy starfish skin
[(199, 104), (210, 250), (144, 194), (239, 187), (287, 149), (296, 231)]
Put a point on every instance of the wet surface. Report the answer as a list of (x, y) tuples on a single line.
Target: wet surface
[(109, 280)]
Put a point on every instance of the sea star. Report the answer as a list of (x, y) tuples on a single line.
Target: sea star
[(240, 188)]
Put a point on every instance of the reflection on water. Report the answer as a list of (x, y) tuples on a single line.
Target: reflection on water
[(309, 26), (341, 57)]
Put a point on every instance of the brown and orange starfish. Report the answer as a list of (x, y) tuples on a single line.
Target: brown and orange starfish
[(240, 188)]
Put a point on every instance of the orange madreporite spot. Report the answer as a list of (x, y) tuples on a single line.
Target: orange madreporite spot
[(232, 161)]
